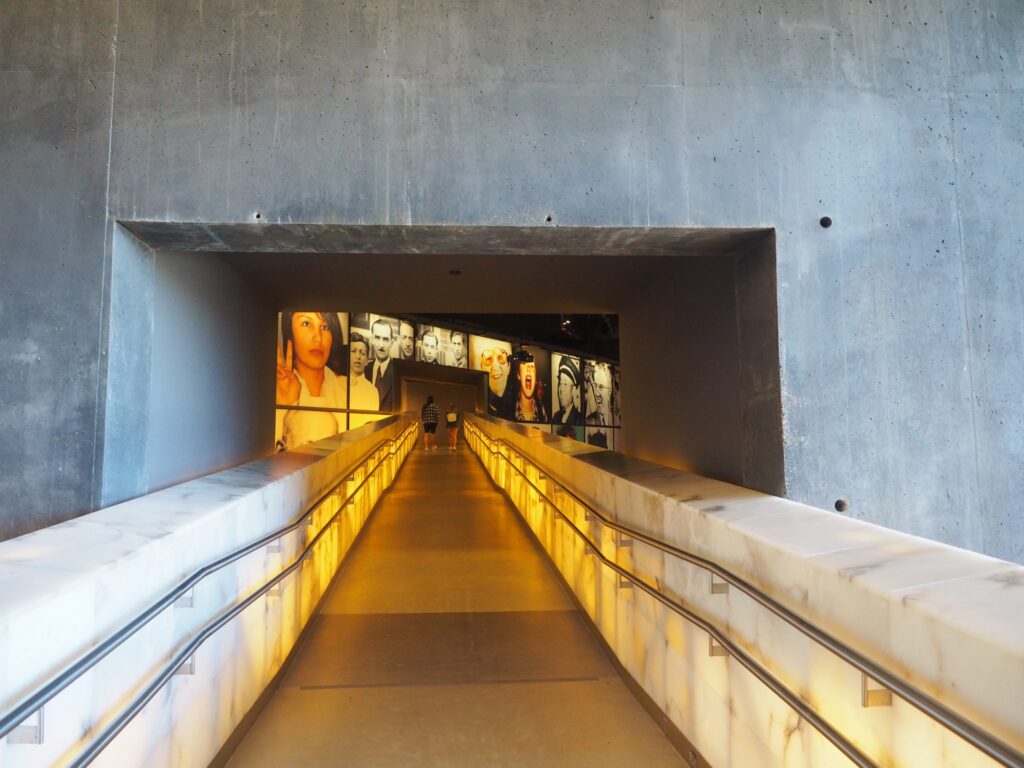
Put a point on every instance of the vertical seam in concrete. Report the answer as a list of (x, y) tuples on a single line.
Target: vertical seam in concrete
[(958, 212), (681, 87), (848, 469), (967, 317), (99, 439)]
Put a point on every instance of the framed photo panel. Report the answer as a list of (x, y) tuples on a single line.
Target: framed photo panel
[(494, 357)]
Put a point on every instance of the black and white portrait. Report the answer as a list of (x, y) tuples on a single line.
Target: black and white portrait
[(382, 333), (616, 414), (406, 347), (597, 399), (566, 379), (432, 344), (493, 356), (459, 344), (597, 393), (602, 437), (363, 395), (529, 375)]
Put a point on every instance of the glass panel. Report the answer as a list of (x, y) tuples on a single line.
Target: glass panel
[(600, 436), (298, 426)]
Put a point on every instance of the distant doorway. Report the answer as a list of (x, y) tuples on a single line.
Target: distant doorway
[(465, 397)]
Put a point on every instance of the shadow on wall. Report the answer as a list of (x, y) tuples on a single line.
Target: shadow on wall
[(700, 361)]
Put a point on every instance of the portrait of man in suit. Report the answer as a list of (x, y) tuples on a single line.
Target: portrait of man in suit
[(458, 342), (597, 387), (429, 347), (380, 372), (406, 341)]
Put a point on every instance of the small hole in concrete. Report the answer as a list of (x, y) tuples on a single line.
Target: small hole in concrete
[(454, 271), (842, 505), (825, 222), (549, 218), (258, 216)]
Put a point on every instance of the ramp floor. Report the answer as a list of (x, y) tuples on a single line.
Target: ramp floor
[(446, 640)]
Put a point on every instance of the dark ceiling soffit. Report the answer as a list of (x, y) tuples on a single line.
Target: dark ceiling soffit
[(438, 240)]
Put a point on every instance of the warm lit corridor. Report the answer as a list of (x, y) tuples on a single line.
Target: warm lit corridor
[(447, 640)]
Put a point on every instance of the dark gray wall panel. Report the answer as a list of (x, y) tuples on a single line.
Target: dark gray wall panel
[(211, 389), (761, 449), (54, 129), (680, 372)]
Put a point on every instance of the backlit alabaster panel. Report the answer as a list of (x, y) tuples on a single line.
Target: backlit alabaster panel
[(65, 588), (949, 621)]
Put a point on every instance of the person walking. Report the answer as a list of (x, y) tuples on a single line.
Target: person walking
[(429, 416), (452, 419)]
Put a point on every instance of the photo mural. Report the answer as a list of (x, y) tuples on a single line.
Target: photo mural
[(335, 372)]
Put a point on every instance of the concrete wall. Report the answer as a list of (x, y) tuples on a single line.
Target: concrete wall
[(56, 86), (900, 333), (211, 396)]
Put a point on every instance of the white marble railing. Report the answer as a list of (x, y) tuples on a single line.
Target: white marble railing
[(947, 621), (67, 588)]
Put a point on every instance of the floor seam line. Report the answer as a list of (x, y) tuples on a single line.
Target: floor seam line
[(525, 681)]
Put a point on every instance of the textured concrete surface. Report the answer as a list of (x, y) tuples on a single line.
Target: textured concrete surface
[(56, 82), (900, 334), (447, 640), (443, 240)]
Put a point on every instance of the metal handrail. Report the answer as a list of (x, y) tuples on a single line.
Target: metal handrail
[(968, 731), (40, 695), (96, 745)]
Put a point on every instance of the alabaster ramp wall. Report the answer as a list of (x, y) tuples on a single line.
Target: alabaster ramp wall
[(67, 587), (948, 621)]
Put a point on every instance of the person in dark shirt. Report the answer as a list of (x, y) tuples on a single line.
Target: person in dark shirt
[(429, 416)]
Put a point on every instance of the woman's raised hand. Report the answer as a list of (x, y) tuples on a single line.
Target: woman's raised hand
[(288, 387)]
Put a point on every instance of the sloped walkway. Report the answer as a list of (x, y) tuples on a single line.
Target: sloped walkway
[(446, 640)]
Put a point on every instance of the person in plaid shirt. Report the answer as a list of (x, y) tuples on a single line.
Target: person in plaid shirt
[(429, 416)]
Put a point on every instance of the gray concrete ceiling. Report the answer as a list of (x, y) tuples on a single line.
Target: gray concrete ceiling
[(407, 269)]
